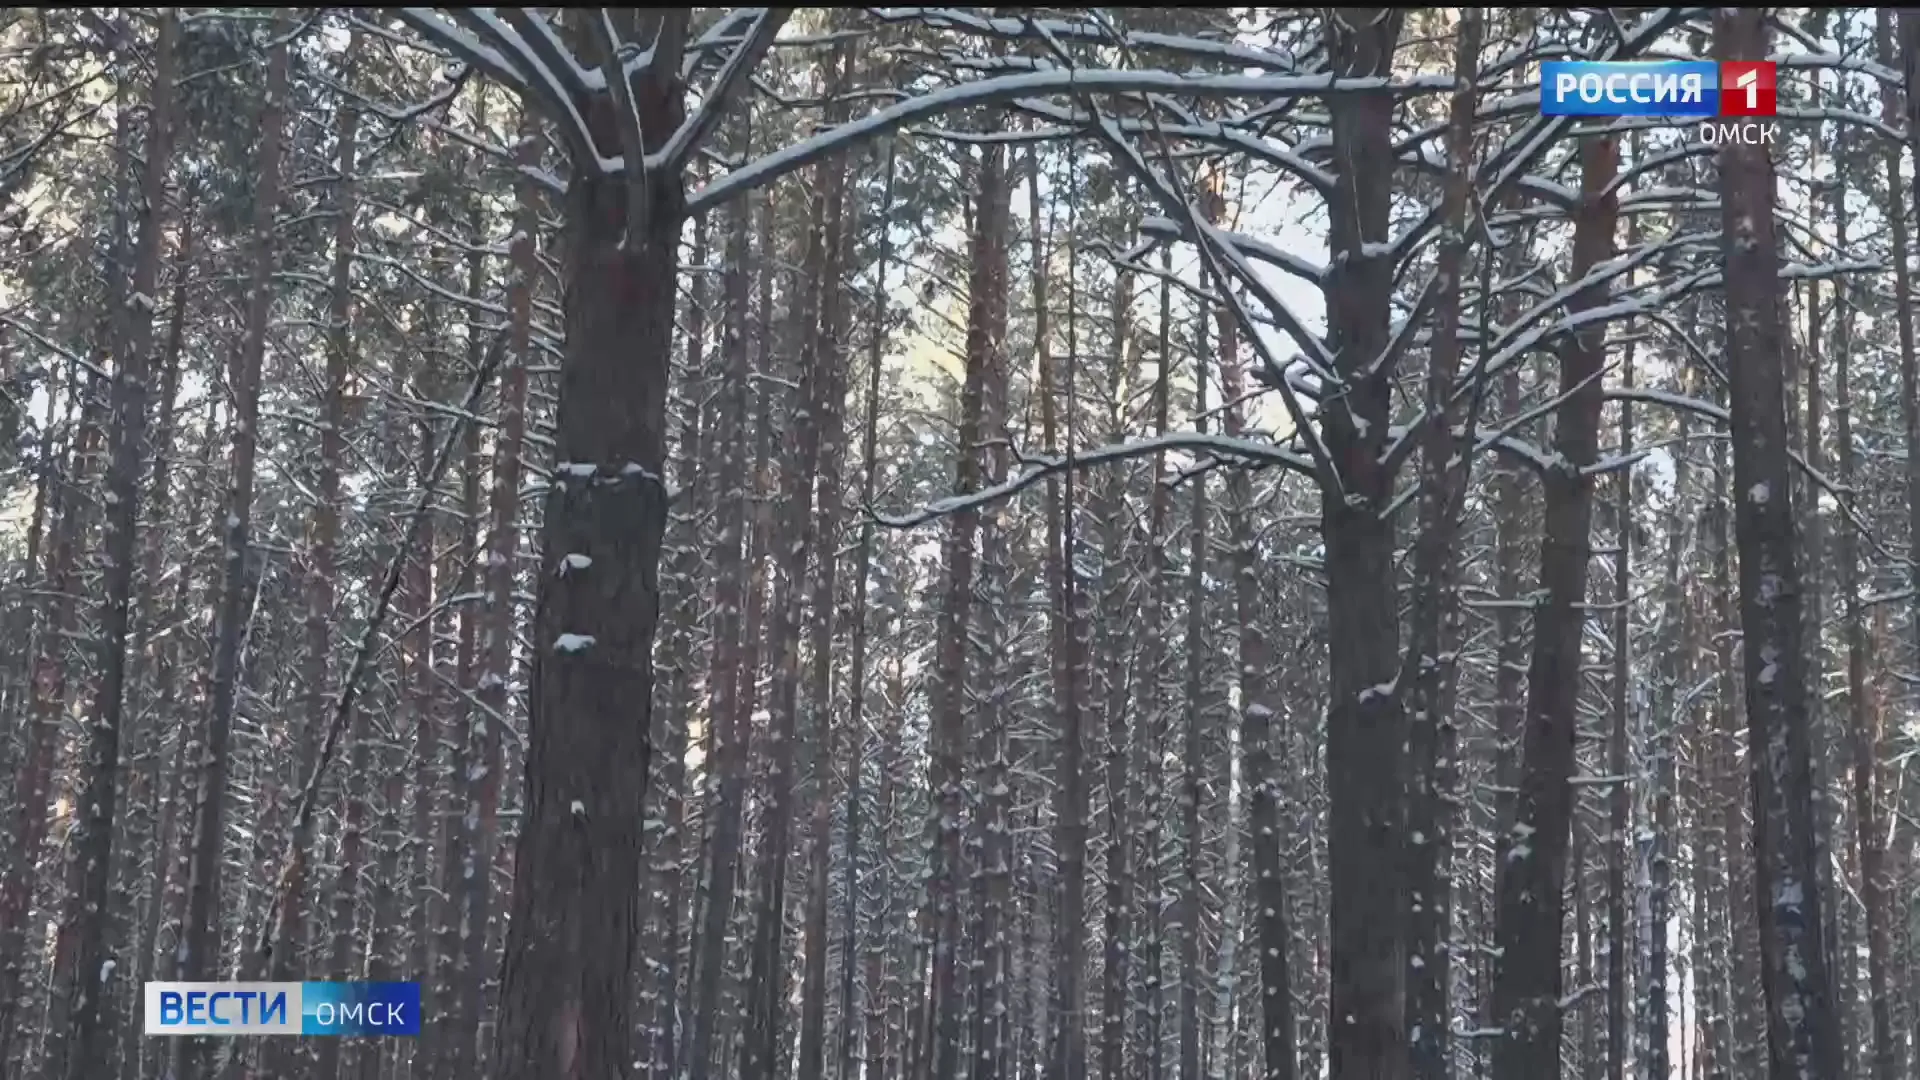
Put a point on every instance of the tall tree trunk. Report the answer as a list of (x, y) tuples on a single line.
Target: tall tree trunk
[(656, 963), (992, 879), (1803, 1031), (819, 676), (1894, 101), (1528, 972), (1657, 993), (290, 943), (1891, 99), (737, 652), (68, 514), (161, 656), (857, 661), (1067, 1057), (1273, 934), (565, 1011), (201, 944), (949, 710), (1195, 789), (450, 1049), (423, 700), (1112, 640), (1429, 668), (1366, 717), (762, 1056), (481, 785), (1865, 725), (89, 902)]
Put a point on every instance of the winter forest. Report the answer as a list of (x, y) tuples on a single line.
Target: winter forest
[(959, 544)]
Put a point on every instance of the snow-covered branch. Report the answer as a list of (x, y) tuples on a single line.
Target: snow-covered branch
[(1005, 88), (1256, 453), (693, 132)]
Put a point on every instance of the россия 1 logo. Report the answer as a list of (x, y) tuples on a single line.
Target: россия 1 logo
[(1666, 88)]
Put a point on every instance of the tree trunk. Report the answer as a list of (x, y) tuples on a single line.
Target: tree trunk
[(1272, 930), (565, 1009), (1528, 973), (992, 880), (1430, 667), (289, 945), (857, 673), (761, 1055), (832, 354), (737, 651), (1803, 1032), (89, 901), (201, 944), (1865, 725), (948, 710), (1891, 107), (423, 696), (1195, 790), (1366, 718), (1067, 1058)]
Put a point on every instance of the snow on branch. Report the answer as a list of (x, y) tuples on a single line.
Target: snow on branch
[(55, 347), (542, 45), (693, 132), (554, 97), (1004, 88), (1259, 250), (1257, 453), (1517, 155), (724, 30), (1719, 414), (1229, 248), (633, 136), (1195, 48), (1223, 134), (463, 47), (1865, 65), (1597, 277), (508, 60), (1214, 252)]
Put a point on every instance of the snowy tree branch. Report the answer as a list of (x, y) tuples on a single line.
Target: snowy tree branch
[(695, 130), (1253, 451)]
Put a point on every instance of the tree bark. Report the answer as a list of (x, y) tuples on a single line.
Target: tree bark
[(832, 358), (89, 900), (1067, 1058), (290, 943), (948, 864), (1366, 718), (1528, 973), (565, 1011), (1803, 1031), (1865, 725), (1430, 666), (850, 1022), (201, 943)]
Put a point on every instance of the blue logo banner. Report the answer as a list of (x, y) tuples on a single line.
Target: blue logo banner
[(1668, 88)]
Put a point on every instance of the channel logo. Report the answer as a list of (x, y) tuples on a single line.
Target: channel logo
[(1667, 88), (283, 1008)]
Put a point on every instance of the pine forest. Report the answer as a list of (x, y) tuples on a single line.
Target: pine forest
[(960, 543)]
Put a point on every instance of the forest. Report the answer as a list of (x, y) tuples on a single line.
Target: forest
[(959, 543)]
